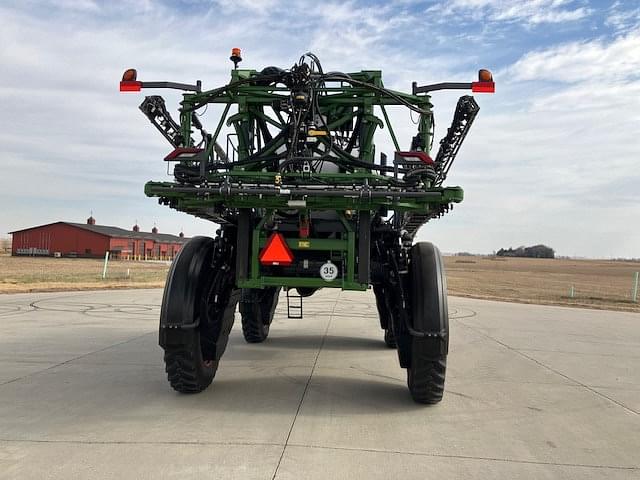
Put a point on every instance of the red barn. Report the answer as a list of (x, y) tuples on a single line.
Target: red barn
[(68, 239)]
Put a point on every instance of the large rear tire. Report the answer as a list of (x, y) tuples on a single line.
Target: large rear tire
[(429, 316), (257, 307), (385, 316), (197, 314)]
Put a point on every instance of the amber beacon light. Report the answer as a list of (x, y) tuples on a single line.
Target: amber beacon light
[(485, 82), (129, 81)]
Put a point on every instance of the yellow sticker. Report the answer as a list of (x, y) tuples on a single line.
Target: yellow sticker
[(317, 133), (304, 244)]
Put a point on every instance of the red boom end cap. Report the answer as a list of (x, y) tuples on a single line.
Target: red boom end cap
[(130, 86), (483, 87)]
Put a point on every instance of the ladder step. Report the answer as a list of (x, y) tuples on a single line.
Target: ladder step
[(294, 305)]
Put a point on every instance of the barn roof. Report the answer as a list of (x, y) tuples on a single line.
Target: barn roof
[(117, 232)]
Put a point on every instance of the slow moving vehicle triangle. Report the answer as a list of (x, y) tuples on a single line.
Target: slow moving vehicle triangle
[(276, 251)]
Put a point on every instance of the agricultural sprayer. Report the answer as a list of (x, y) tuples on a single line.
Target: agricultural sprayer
[(303, 201)]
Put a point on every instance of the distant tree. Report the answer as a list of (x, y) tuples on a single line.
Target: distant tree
[(536, 251), (539, 251)]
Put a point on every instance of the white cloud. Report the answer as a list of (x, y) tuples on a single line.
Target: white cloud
[(623, 19), (562, 158), (531, 12), (248, 6), (554, 150), (596, 61), (82, 5)]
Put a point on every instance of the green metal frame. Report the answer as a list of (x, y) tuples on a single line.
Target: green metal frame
[(339, 104), (343, 249)]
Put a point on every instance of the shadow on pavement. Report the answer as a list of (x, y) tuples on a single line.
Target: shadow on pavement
[(347, 394), (332, 342)]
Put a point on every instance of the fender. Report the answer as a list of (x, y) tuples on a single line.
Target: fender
[(430, 316), (178, 312)]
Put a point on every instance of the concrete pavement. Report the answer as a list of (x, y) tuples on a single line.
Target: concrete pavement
[(532, 392)]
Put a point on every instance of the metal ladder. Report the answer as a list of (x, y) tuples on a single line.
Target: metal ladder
[(294, 305)]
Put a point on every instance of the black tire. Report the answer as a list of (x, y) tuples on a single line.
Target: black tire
[(426, 377), (257, 307), (197, 314), (385, 316), (390, 338), (429, 313)]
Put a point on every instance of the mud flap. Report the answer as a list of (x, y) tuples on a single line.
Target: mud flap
[(429, 311), (181, 292)]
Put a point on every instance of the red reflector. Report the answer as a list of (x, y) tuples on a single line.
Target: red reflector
[(276, 251), (131, 86), (483, 87), (183, 153), (422, 156), (304, 228)]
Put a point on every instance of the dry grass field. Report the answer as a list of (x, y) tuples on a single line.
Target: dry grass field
[(46, 274), (596, 283)]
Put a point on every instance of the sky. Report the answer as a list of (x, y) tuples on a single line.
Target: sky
[(553, 156)]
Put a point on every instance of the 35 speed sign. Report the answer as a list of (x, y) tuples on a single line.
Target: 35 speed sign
[(329, 271)]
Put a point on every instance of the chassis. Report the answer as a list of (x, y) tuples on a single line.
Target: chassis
[(303, 203)]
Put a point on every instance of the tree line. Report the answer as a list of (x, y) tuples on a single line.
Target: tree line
[(536, 251)]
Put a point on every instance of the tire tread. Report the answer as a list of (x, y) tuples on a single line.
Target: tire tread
[(183, 373), (426, 380), (427, 371), (253, 330), (257, 310)]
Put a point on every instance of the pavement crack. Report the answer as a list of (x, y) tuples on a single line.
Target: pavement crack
[(306, 387), (74, 359), (467, 457), (318, 447), (591, 354), (143, 442), (375, 374), (551, 369)]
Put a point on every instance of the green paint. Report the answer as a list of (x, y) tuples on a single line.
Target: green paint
[(259, 106)]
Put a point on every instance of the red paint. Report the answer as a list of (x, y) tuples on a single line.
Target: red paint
[(183, 152), (276, 251), (483, 87), (71, 240), (60, 237), (422, 156), (130, 86), (305, 227)]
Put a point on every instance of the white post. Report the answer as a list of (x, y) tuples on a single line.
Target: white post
[(572, 292), (634, 294), (106, 260)]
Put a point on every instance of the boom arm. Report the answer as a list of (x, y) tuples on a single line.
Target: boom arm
[(305, 137)]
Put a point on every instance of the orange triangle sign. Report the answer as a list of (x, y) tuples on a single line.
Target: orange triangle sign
[(276, 251)]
